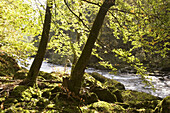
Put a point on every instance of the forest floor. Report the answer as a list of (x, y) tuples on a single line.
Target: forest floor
[(97, 95)]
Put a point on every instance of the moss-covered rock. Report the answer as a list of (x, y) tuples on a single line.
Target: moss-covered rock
[(21, 74), (107, 81), (99, 77), (118, 95), (104, 94), (91, 98), (103, 107), (17, 91), (130, 95), (163, 106), (8, 65), (140, 99)]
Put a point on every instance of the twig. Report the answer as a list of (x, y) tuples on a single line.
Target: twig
[(76, 15)]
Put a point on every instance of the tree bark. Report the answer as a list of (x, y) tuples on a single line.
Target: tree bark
[(35, 67), (78, 71)]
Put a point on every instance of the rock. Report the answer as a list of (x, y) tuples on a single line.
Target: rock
[(120, 86), (104, 95), (99, 77), (20, 74), (92, 98), (108, 81), (140, 99), (8, 65), (103, 107), (130, 95), (117, 92), (118, 95), (17, 91), (163, 106)]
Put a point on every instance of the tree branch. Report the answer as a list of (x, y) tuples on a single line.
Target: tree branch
[(76, 15)]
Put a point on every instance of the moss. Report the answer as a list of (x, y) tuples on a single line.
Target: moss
[(163, 106), (104, 94), (21, 74), (130, 95), (103, 107), (71, 109), (8, 65), (118, 95), (108, 82), (50, 76), (92, 98), (17, 91), (99, 77), (140, 100)]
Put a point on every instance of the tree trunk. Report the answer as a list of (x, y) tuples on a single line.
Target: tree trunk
[(78, 71), (35, 67)]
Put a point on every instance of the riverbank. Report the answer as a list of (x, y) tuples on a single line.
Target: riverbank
[(98, 94), (130, 80)]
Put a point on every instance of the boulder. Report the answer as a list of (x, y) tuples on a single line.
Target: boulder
[(163, 106), (139, 100), (91, 98), (20, 74), (104, 94), (8, 65), (99, 77), (118, 95), (103, 107), (109, 82)]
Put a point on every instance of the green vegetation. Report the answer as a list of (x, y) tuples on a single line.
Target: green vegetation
[(112, 34), (49, 95)]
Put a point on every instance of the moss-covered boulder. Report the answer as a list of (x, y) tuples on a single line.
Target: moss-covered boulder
[(139, 100), (103, 107), (91, 98), (163, 106), (107, 81), (17, 91), (99, 77), (118, 95), (20, 74), (104, 94), (8, 65)]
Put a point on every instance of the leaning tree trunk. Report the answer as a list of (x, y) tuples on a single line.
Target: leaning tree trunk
[(78, 71), (35, 67)]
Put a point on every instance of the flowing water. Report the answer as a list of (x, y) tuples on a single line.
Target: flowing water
[(131, 81)]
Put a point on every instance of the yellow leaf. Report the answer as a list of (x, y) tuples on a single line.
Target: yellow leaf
[(125, 27), (132, 11)]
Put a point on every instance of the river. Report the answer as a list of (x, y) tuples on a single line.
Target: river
[(131, 81)]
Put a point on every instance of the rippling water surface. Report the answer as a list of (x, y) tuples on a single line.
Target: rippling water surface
[(130, 81)]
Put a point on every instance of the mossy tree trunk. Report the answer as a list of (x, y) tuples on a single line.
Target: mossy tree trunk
[(78, 71), (35, 67)]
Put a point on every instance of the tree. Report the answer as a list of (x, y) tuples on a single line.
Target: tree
[(35, 67), (16, 28), (78, 71)]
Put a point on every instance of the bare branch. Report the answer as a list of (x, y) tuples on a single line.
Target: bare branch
[(76, 15)]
